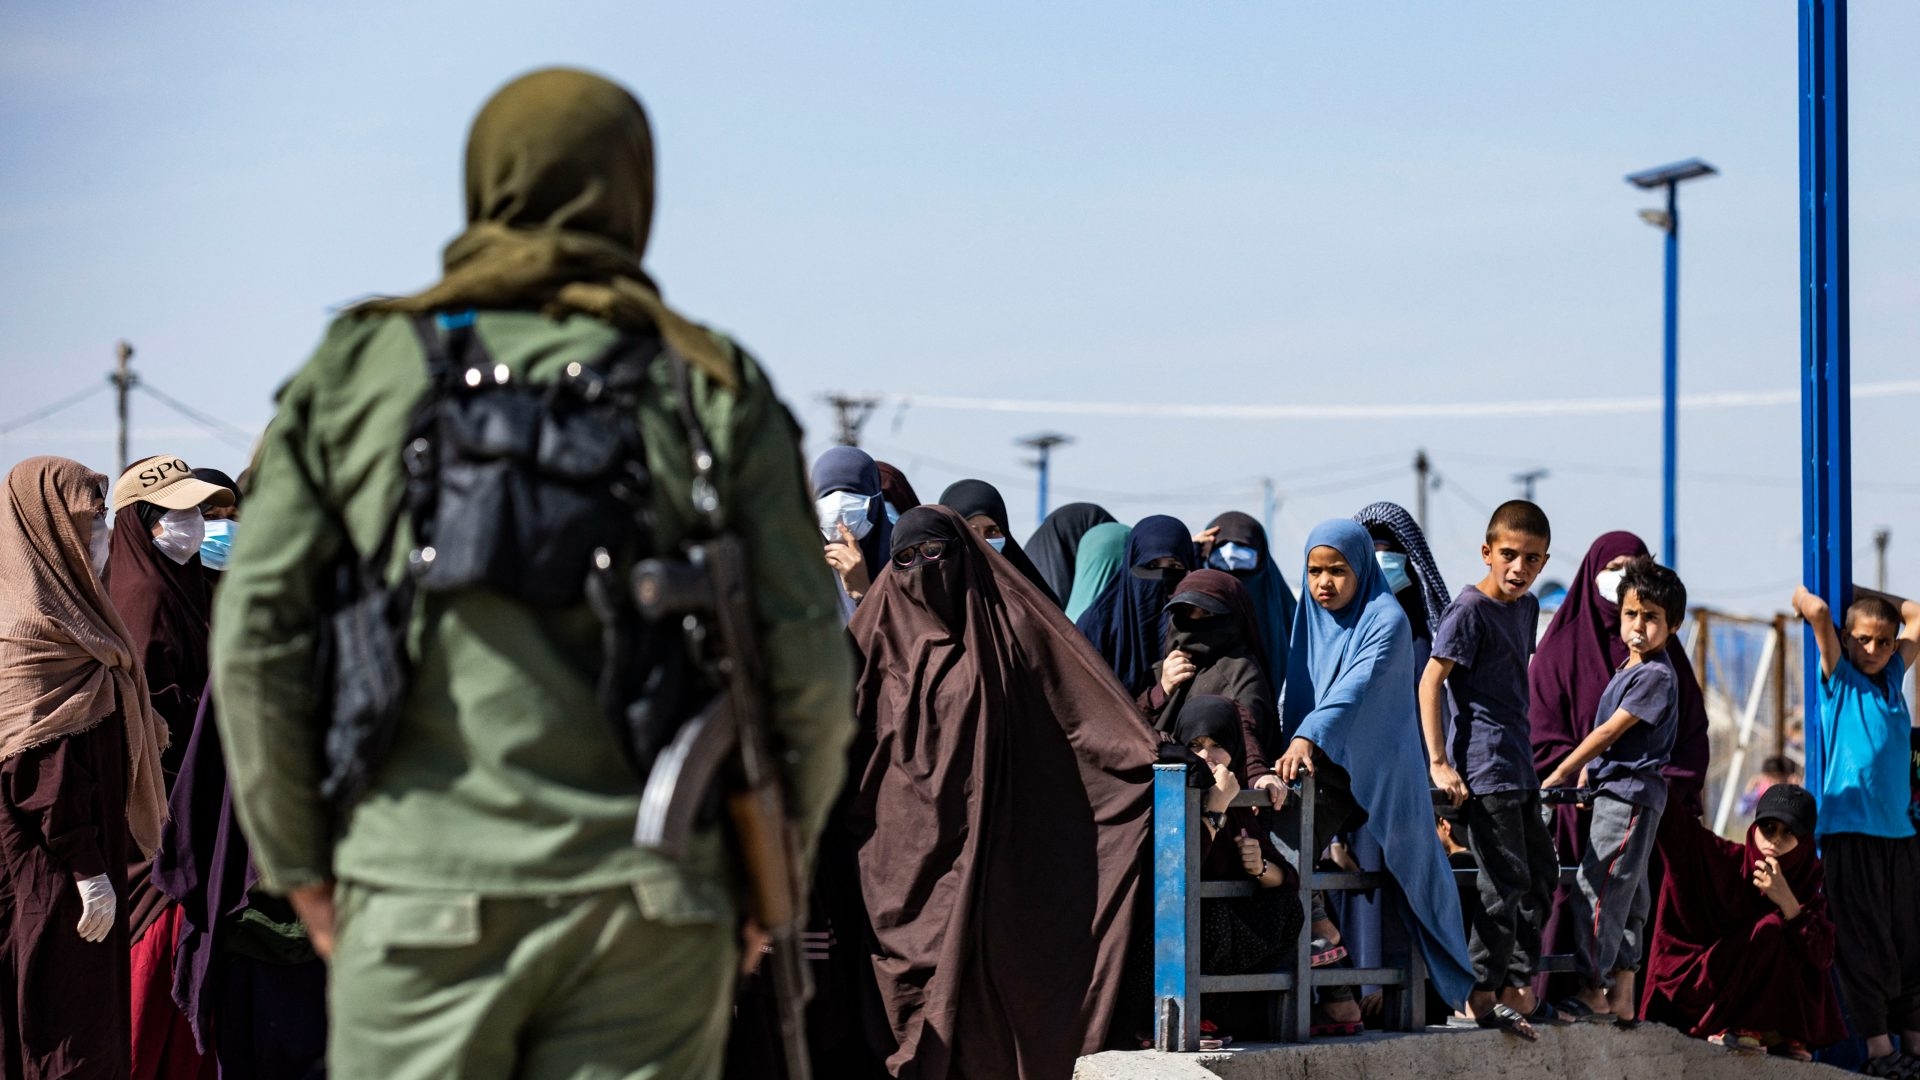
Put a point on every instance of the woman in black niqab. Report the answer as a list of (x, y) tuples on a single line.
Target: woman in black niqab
[(980, 504), (1055, 545)]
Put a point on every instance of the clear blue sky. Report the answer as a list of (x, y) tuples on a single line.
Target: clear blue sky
[(1187, 203)]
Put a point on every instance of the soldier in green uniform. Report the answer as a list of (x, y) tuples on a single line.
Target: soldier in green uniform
[(484, 906)]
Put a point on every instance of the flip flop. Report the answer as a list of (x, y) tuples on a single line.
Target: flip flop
[(1545, 1013), (1573, 1009), (1325, 953), (1504, 1018), (1332, 1030), (1740, 1042), (1792, 1048)]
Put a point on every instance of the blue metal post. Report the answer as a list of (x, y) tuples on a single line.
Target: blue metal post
[(1670, 459), (1825, 418), (1043, 483), (1176, 912)]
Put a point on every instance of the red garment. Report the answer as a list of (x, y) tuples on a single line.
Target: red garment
[(163, 1047), (1724, 958)]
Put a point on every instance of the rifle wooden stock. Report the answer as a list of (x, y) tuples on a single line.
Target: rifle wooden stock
[(766, 851)]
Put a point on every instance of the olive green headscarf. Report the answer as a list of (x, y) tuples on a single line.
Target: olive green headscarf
[(559, 204)]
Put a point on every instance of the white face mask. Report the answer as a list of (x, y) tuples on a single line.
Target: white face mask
[(1608, 582), (998, 543), (1230, 557), (181, 532), (98, 546), (844, 508)]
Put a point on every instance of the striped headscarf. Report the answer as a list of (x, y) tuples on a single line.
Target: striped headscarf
[(1394, 518)]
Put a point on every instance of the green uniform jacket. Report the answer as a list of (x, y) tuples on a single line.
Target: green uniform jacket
[(503, 778)]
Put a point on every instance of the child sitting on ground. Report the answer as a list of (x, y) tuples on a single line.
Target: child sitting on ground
[(1621, 760), (1480, 654), (1857, 764), (1744, 947)]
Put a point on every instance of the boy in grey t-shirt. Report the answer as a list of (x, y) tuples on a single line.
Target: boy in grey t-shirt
[(1622, 760), (1480, 654)]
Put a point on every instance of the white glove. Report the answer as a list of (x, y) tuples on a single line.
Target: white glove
[(97, 905)]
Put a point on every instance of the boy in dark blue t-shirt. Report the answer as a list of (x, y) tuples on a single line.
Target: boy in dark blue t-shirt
[(1863, 782), (1480, 654), (1621, 760)]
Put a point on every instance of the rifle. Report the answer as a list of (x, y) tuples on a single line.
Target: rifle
[(708, 591)]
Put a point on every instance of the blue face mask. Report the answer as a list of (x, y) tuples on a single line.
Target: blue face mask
[(998, 543), (1231, 557), (217, 544), (1394, 565), (893, 516)]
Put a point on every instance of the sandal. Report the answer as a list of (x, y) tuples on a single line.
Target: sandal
[(1333, 1030), (1573, 1009), (1212, 1038), (1504, 1018), (1740, 1042), (1545, 1013), (1326, 953), (1792, 1048), (1893, 1065)]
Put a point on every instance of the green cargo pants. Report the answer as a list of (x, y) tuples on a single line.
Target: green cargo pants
[(594, 986)]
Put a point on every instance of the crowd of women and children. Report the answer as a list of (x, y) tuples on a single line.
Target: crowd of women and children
[(980, 887)]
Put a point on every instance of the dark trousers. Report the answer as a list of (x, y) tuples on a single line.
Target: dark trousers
[(1518, 871), (1873, 889)]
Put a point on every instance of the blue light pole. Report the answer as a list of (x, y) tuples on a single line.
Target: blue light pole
[(1826, 422), (1043, 444), (1668, 221)]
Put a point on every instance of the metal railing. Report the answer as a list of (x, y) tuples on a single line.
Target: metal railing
[(1177, 895), (1178, 892)]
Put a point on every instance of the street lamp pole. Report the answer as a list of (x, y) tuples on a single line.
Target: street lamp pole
[(1670, 177), (1043, 444)]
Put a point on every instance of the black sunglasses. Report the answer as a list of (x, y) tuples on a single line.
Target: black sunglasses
[(925, 551)]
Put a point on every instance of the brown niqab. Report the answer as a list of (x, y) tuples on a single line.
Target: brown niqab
[(1001, 819), (559, 206), (65, 661)]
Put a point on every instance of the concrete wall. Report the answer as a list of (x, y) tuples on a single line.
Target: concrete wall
[(1576, 1052)]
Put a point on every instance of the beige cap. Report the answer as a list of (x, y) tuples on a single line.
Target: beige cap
[(164, 480)]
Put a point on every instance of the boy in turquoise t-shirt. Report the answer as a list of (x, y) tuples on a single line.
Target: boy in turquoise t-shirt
[(1867, 838)]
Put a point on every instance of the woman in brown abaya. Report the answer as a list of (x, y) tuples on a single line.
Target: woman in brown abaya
[(1001, 817), (79, 780), (165, 598)]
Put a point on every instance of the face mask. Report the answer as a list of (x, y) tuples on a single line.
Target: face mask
[(218, 544), (1233, 557), (844, 508), (97, 547), (998, 543), (180, 534), (1608, 582), (1394, 565), (893, 516)]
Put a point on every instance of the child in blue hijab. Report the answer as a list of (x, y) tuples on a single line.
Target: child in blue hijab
[(1350, 696)]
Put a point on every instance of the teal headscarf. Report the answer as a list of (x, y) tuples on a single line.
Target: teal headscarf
[(1102, 551)]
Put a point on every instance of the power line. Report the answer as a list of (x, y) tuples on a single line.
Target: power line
[(214, 426), (1465, 410), (48, 410)]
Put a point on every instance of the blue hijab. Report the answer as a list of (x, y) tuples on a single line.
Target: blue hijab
[(849, 468), (1128, 623), (1350, 691)]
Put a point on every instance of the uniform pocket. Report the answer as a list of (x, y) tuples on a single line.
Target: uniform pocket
[(393, 920), (668, 896)]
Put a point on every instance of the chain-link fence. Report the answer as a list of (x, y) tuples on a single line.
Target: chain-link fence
[(1750, 671)]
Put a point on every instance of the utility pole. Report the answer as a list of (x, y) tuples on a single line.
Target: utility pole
[(1422, 468), (1043, 445), (853, 413), (123, 380), (1880, 538), (1527, 479)]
